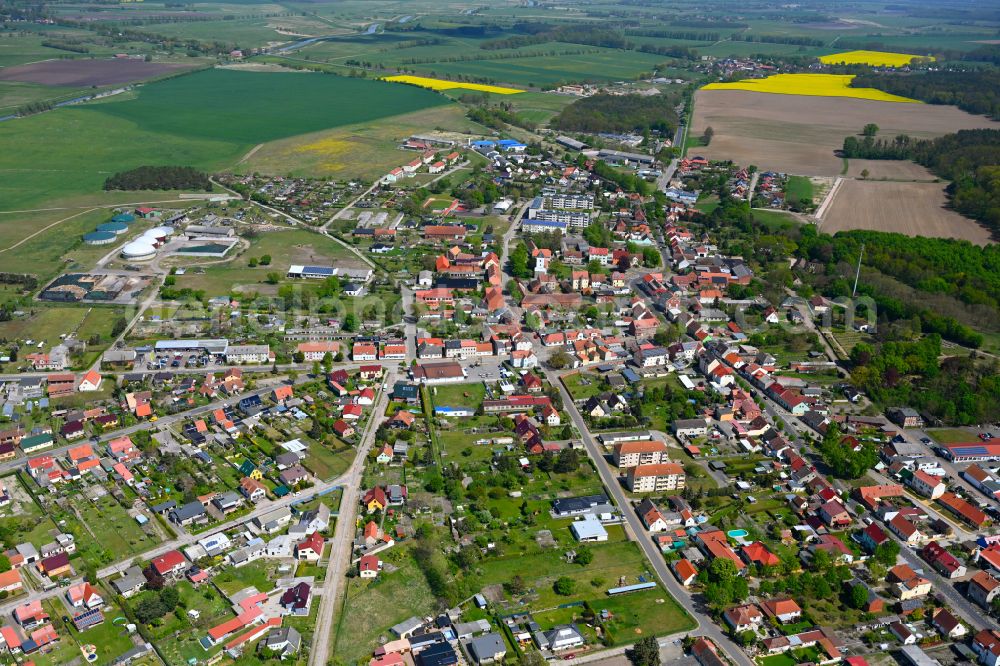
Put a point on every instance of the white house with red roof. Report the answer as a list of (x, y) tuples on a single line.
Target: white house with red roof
[(84, 595), (310, 549), (91, 381), (369, 566), (170, 563)]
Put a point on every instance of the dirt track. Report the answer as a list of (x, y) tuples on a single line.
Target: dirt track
[(914, 209), (82, 73), (799, 134)]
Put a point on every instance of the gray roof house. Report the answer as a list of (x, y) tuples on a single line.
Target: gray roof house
[(487, 649), (130, 583), (284, 640), (187, 514)]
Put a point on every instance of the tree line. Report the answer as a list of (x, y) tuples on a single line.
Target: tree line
[(977, 91), (159, 178), (576, 34), (618, 113), (31, 108), (74, 47)]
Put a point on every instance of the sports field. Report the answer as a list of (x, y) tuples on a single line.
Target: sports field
[(813, 85), (873, 58)]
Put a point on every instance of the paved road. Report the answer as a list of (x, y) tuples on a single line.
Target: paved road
[(972, 614), (663, 182), (409, 323), (343, 538), (247, 369), (505, 246), (705, 625)]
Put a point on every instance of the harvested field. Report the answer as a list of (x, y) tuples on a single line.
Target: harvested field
[(800, 134), (83, 73), (888, 169), (914, 209)]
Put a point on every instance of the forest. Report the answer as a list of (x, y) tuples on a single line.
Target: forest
[(968, 158), (957, 390), (159, 178), (618, 113), (932, 267), (976, 91)]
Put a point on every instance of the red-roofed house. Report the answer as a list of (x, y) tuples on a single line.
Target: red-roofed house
[(170, 563), (784, 610), (369, 566), (310, 549), (84, 595), (91, 381), (685, 572), (757, 553)]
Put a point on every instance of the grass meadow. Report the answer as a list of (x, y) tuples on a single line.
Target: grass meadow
[(54, 164)]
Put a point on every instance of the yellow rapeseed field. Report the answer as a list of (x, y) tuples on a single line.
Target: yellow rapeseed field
[(441, 84), (873, 58), (816, 85)]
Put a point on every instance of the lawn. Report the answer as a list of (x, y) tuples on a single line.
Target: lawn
[(326, 462), (798, 188), (371, 608), (582, 386), (112, 528), (791, 658), (286, 247), (540, 570), (177, 637), (111, 639), (257, 574), (647, 613), (48, 322), (952, 435), (29, 523), (776, 221), (455, 441), (459, 395)]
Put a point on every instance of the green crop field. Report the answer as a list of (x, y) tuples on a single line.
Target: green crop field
[(537, 71), (190, 120), (54, 164), (365, 150), (208, 104)]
